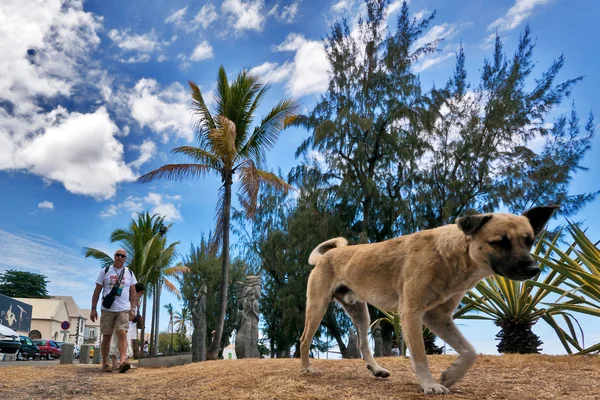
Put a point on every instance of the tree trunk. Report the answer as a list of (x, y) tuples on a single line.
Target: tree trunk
[(152, 324), (143, 333), (215, 346), (157, 319)]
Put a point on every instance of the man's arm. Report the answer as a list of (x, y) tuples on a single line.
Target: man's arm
[(95, 297)]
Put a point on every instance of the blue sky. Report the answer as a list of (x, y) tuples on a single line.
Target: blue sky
[(93, 93)]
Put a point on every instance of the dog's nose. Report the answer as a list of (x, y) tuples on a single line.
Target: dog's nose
[(531, 271)]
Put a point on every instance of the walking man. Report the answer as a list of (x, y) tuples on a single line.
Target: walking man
[(119, 280)]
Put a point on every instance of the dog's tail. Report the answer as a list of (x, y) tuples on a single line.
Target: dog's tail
[(324, 247)]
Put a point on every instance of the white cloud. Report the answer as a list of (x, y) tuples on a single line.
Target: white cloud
[(44, 60), (161, 204), (141, 45), (202, 51), (91, 158), (310, 70), (177, 17), (206, 16), (431, 61), (445, 31), (245, 15), (46, 205), (42, 44), (147, 150), (68, 272), (516, 15), (288, 13), (272, 72), (164, 110), (342, 6)]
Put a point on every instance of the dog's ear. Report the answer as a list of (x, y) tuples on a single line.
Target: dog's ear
[(472, 223), (539, 216)]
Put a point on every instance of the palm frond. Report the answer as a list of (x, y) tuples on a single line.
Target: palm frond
[(105, 259), (176, 172), (266, 134)]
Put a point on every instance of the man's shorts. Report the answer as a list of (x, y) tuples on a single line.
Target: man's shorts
[(114, 321)]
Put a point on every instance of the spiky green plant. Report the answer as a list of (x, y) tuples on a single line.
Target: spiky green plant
[(579, 266)]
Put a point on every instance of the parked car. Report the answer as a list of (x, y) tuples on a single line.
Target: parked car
[(48, 348), (9, 340), (28, 349)]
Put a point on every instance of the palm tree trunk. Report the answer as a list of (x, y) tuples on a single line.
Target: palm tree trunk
[(151, 342), (157, 320), (143, 333), (213, 351)]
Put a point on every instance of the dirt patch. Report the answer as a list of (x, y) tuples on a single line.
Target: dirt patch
[(506, 377)]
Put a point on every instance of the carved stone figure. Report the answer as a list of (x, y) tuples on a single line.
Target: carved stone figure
[(199, 321), (246, 339), (378, 351), (352, 349)]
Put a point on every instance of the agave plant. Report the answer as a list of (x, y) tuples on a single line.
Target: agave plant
[(393, 319), (581, 274), (516, 306)]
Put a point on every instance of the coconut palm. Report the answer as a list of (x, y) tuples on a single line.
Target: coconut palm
[(227, 145), (169, 308), (181, 319)]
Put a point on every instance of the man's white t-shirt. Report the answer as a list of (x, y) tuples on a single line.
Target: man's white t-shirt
[(107, 281)]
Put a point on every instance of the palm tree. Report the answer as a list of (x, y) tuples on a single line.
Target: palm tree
[(227, 145), (160, 260), (169, 308), (181, 319)]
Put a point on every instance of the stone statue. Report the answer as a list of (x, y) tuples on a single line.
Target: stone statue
[(246, 339), (378, 351), (352, 350), (199, 321)]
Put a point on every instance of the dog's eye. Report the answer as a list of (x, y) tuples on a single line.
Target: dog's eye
[(528, 241), (503, 243)]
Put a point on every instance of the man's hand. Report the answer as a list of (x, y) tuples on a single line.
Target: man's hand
[(131, 315), (94, 315)]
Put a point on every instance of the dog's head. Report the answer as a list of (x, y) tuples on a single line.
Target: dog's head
[(503, 241)]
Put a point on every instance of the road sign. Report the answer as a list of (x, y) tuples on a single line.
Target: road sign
[(65, 325)]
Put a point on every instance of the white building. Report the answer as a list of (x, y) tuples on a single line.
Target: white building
[(91, 333), (76, 319)]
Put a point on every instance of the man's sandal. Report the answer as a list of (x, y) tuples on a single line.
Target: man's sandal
[(124, 367), (106, 368)]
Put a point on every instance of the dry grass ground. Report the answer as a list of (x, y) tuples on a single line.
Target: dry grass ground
[(506, 377)]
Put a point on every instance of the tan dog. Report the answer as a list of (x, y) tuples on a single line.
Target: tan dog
[(423, 276)]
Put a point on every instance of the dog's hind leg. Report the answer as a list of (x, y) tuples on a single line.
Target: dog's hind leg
[(359, 313), (440, 321), (318, 296)]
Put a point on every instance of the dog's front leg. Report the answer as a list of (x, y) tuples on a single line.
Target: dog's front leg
[(412, 330)]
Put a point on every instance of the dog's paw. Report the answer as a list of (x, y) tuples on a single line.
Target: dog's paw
[(450, 377), (378, 371), (310, 371), (435, 388)]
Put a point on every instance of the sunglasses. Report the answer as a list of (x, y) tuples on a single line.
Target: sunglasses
[(121, 255)]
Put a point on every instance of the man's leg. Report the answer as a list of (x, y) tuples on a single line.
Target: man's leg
[(121, 327), (122, 338), (105, 349), (107, 323)]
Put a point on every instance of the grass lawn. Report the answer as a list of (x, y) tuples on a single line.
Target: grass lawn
[(507, 377)]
